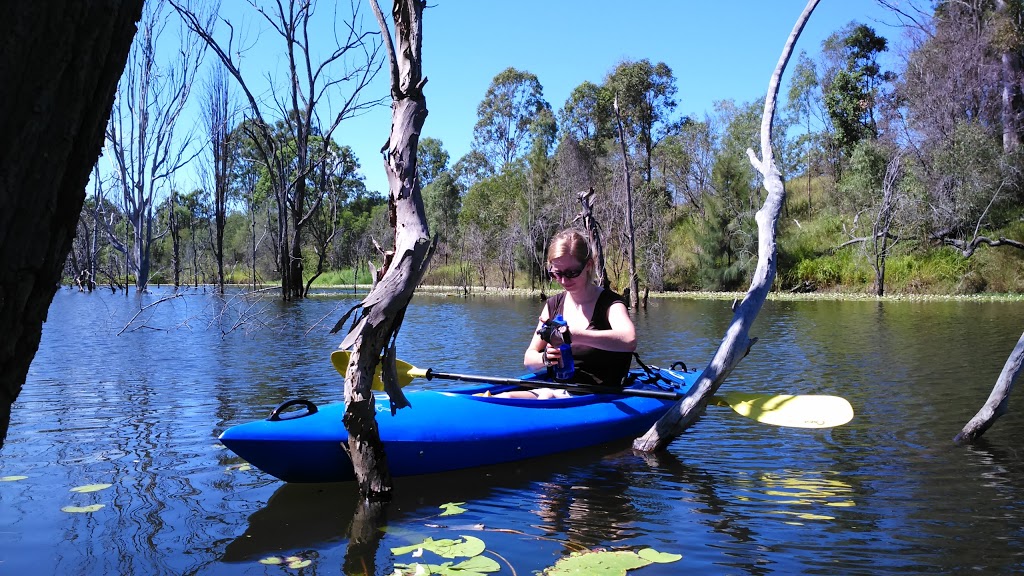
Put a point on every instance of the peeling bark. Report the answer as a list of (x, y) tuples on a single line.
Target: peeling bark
[(382, 310), (59, 70), (998, 401), (737, 342)]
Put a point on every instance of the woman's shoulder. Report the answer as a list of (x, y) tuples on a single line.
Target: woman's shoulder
[(610, 297)]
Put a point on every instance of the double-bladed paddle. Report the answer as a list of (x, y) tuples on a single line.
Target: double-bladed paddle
[(794, 411)]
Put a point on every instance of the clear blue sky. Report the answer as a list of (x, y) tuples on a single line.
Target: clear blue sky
[(717, 49)]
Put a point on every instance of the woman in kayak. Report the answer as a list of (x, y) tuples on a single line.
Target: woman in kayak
[(603, 337)]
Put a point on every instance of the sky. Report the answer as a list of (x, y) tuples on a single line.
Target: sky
[(717, 50)]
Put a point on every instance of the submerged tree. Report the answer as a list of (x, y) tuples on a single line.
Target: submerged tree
[(313, 89), (737, 341), (142, 136), (382, 311)]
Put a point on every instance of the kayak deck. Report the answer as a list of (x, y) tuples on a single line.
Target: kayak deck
[(450, 429)]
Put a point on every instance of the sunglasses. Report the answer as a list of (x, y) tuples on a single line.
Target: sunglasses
[(569, 274)]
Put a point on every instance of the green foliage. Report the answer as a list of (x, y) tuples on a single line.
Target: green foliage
[(505, 118)]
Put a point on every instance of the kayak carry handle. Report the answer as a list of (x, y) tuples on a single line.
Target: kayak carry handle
[(278, 413)]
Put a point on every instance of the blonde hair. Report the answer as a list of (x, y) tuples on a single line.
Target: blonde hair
[(571, 242)]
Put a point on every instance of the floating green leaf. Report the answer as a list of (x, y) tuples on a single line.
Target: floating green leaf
[(475, 566), (452, 508), (296, 564), (82, 509), (468, 546), (12, 478), (600, 563), (659, 557), (91, 488), (271, 561)]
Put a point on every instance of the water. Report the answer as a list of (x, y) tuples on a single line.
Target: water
[(138, 401)]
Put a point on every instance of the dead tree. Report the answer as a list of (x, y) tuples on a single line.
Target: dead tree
[(59, 70), (593, 229), (634, 283), (289, 150), (382, 311), (998, 401), (144, 150), (737, 341)]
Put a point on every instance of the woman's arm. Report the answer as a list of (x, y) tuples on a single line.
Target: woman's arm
[(621, 337), (535, 352)]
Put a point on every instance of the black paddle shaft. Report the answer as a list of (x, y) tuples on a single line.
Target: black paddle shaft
[(583, 388)]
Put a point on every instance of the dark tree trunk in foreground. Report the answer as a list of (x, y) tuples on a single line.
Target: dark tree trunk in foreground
[(999, 400), (382, 310), (59, 69), (737, 341)]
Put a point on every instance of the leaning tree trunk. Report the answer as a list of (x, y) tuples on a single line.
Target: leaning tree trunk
[(382, 310), (59, 70), (737, 342), (998, 401)]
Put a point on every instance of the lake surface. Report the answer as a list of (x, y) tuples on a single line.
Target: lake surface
[(135, 397)]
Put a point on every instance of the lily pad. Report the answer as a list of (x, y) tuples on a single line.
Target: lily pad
[(659, 557), (82, 509), (452, 508), (467, 546), (597, 563), (91, 488), (271, 561), (475, 566), (296, 564), (12, 478)]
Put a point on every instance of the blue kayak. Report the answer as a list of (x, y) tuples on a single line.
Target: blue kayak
[(451, 429)]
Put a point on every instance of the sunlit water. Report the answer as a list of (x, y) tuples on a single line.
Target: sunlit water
[(137, 401)]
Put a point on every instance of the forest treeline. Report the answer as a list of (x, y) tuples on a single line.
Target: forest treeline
[(903, 167)]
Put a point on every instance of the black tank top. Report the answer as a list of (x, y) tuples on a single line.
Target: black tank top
[(593, 365)]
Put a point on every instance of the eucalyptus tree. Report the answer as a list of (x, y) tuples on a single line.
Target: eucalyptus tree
[(218, 115), (144, 146), (57, 93), (505, 117), (646, 98), (338, 182), (804, 99), (854, 83), (432, 160), (332, 86)]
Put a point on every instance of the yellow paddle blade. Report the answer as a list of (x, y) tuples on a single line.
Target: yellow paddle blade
[(788, 410), (340, 360)]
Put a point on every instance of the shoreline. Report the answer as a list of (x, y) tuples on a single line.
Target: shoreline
[(496, 292)]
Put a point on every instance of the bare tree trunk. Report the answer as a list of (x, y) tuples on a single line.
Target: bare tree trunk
[(59, 70), (634, 281), (998, 400), (1012, 99), (737, 342), (594, 233), (384, 307)]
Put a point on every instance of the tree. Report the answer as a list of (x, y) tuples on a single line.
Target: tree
[(503, 130), (141, 134), (382, 311), (311, 88), (432, 160), (853, 85), (645, 94), (803, 96), (737, 341), (337, 181), (219, 116), (57, 96)]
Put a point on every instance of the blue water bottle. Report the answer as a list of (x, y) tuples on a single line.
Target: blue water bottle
[(565, 368)]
